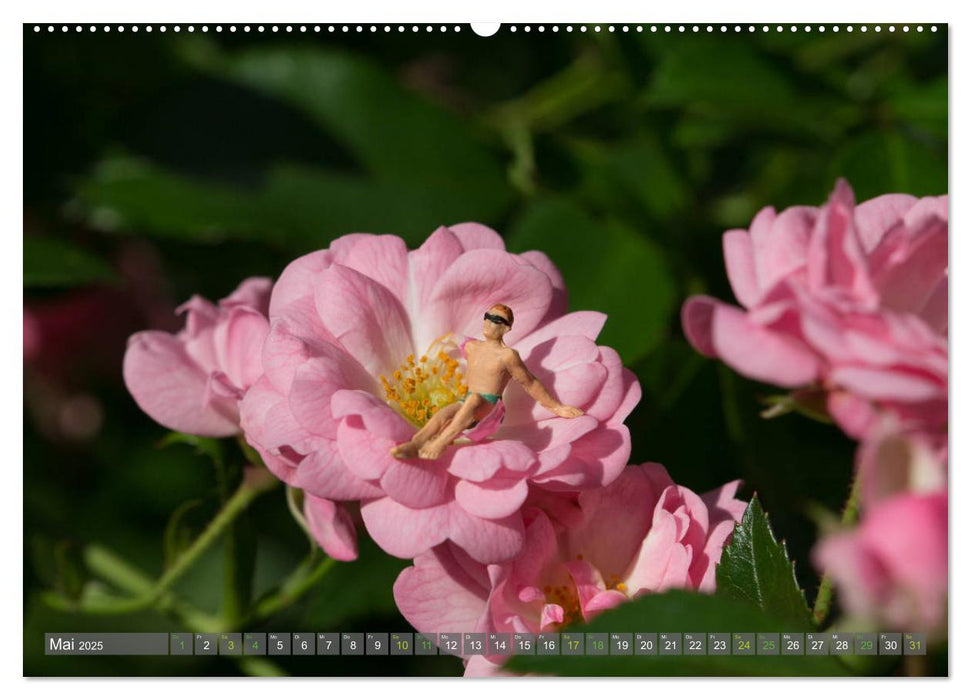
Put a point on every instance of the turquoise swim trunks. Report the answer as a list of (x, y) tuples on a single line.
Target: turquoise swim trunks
[(491, 398)]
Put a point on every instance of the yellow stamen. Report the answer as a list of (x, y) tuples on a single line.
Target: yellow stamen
[(418, 390)]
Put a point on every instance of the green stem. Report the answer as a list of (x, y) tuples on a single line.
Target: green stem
[(824, 598), (254, 483), (305, 577), (127, 578)]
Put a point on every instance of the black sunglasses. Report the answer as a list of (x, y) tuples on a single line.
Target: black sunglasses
[(497, 319)]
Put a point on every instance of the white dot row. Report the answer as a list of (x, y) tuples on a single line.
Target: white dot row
[(512, 28)]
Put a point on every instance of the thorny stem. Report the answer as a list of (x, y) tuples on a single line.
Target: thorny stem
[(824, 598)]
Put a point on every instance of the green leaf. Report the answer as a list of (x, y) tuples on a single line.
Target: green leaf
[(607, 267), (639, 169), (297, 207), (754, 567), (131, 195), (310, 206), (733, 82), (50, 262), (681, 611), (210, 447), (396, 135)]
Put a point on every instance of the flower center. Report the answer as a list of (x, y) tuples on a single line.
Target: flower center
[(565, 595), (420, 387)]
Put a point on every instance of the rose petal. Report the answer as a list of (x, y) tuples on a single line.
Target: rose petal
[(438, 594), (171, 388), (404, 532), (365, 317), (332, 527), (486, 540), (494, 499)]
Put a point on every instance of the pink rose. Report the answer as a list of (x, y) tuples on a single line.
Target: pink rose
[(640, 534), (853, 298), (193, 381), (892, 569), (364, 342)]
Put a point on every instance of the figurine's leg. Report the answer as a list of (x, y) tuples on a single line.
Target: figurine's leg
[(433, 448), (409, 450)]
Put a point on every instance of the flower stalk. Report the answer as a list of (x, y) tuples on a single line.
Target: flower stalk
[(824, 598)]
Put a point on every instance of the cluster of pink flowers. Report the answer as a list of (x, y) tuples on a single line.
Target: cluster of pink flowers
[(544, 523), (851, 300), (583, 554), (343, 357)]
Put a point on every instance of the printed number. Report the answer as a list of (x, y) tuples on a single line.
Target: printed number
[(647, 645), (598, 644), (501, 645), (792, 644), (669, 644), (744, 645), (623, 644), (914, 644), (768, 644), (525, 644), (403, 644), (353, 644), (842, 645), (817, 644), (328, 643), (720, 645), (232, 645), (182, 644), (205, 645), (377, 644), (549, 644), (451, 645), (890, 644), (866, 645), (573, 644), (279, 645), (303, 645), (694, 645)]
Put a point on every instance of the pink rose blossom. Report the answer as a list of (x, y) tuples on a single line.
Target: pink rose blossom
[(193, 381), (852, 298), (352, 325), (640, 534), (892, 569)]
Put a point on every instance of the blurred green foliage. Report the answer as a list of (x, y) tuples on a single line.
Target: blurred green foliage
[(158, 166)]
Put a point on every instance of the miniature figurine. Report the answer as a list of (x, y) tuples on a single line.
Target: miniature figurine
[(491, 363)]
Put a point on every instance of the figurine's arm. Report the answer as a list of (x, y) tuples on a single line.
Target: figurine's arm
[(534, 387)]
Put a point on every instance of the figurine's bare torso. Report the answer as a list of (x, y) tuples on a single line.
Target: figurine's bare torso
[(490, 364), (487, 367)]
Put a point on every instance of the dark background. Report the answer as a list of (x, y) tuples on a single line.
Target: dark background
[(162, 165)]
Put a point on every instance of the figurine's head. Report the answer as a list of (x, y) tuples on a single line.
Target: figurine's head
[(498, 321)]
